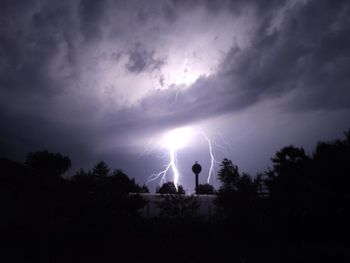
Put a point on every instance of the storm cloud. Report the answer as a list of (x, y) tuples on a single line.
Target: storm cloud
[(141, 60), (92, 79)]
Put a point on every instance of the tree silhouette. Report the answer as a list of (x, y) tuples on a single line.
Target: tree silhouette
[(205, 189), (331, 170), (169, 188), (228, 175), (290, 184), (301, 205), (144, 189), (53, 164), (178, 206), (101, 169), (237, 196), (99, 192)]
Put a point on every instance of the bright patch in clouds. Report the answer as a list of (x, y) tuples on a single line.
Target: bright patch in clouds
[(185, 72), (177, 138)]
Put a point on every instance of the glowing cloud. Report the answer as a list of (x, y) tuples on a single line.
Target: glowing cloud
[(177, 138), (172, 141)]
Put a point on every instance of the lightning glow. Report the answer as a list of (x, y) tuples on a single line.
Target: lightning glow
[(177, 138), (174, 140), (187, 72)]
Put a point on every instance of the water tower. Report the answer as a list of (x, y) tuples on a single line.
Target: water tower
[(196, 168)]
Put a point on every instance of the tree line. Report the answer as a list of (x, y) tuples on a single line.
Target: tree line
[(301, 198), (298, 187)]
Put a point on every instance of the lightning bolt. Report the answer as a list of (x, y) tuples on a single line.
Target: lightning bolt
[(171, 165), (171, 161), (225, 146), (212, 158)]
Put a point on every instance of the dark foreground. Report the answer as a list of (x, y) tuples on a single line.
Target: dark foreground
[(166, 241), (296, 211)]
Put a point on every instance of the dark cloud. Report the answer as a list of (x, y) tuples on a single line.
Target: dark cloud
[(115, 56), (308, 53), (303, 59), (28, 46), (169, 12), (141, 59), (91, 13)]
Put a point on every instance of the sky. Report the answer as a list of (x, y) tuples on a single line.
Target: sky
[(117, 80)]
